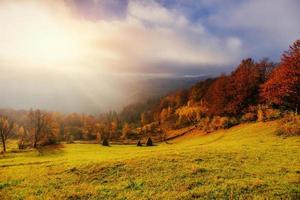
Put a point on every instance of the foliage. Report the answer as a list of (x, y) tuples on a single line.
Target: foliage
[(219, 123), (191, 114), (23, 137), (228, 95), (265, 113), (6, 128), (197, 92), (70, 139), (216, 96), (272, 114), (255, 90), (249, 117), (125, 130), (204, 124), (283, 86), (42, 128), (289, 125), (243, 86)]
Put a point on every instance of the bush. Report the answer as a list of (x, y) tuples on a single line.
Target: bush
[(70, 139), (233, 121), (265, 113), (289, 125), (219, 123), (272, 114), (204, 124), (22, 146), (48, 141), (249, 117)]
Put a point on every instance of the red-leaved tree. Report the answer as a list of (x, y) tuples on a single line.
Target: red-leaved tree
[(283, 86)]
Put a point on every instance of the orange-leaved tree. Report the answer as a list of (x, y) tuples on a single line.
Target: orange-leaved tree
[(283, 86), (6, 127)]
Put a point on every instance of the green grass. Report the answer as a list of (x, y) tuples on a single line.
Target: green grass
[(246, 162)]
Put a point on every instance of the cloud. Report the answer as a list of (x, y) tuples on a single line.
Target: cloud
[(142, 42), (266, 27), (90, 54), (138, 42), (99, 9)]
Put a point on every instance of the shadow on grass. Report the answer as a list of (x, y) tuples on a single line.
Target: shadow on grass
[(56, 149), (215, 140), (23, 164)]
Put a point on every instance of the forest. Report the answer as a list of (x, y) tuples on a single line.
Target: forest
[(255, 91), (149, 100)]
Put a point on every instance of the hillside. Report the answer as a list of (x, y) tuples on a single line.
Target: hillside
[(248, 161)]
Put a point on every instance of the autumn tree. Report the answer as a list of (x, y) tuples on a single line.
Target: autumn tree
[(89, 129), (125, 130), (99, 129), (42, 127), (6, 128), (216, 97), (244, 83), (174, 100), (197, 92), (165, 114), (146, 118), (283, 86), (190, 114), (22, 135), (73, 124)]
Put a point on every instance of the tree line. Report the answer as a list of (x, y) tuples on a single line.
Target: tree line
[(255, 90)]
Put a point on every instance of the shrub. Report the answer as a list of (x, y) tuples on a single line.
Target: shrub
[(70, 139), (233, 121), (208, 125), (219, 123), (22, 146), (249, 117), (204, 124), (225, 122), (289, 125), (48, 141), (272, 114)]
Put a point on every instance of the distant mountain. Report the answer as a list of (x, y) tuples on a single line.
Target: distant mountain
[(157, 87)]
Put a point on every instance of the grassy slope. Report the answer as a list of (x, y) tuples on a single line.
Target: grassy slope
[(245, 162)]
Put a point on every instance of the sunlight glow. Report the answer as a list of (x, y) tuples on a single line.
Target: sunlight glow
[(37, 37)]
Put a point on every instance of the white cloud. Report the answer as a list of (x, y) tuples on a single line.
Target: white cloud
[(59, 60), (150, 34), (268, 26)]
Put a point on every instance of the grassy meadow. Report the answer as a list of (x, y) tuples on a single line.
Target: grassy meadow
[(248, 161)]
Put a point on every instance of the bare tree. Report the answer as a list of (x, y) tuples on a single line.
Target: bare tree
[(6, 127)]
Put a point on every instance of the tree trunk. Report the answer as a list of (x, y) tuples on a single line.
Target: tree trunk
[(3, 144)]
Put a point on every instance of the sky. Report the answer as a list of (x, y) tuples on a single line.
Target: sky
[(89, 56)]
